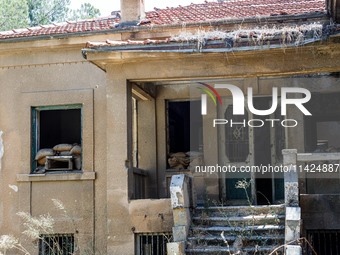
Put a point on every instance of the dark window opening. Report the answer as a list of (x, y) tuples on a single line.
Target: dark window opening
[(324, 242), (56, 138), (185, 126), (152, 243), (59, 126), (323, 127), (322, 136), (57, 244), (185, 133)]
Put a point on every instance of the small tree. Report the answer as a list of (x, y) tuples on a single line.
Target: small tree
[(86, 11), (24, 13), (13, 14), (42, 12)]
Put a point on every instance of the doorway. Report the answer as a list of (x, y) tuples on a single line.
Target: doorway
[(243, 145)]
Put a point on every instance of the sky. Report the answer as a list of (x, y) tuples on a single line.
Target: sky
[(106, 6)]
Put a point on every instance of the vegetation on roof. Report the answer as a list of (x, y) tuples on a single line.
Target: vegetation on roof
[(297, 35)]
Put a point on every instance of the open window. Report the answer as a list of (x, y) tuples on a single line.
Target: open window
[(185, 134), (56, 138), (322, 130), (323, 127)]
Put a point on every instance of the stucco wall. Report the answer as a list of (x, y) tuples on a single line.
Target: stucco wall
[(320, 211), (63, 78)]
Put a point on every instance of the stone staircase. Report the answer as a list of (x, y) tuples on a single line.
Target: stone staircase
[(236, 230)]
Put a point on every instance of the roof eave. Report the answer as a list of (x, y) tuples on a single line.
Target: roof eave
[(190, 47), (300, 62)]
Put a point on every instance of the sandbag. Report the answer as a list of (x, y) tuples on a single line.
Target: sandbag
[(42, 161), (77, 162), (76, 150), (43, 153), (63, 147), (178, 155), (65, 153)]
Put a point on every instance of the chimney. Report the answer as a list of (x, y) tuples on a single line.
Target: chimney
[(132, 11)]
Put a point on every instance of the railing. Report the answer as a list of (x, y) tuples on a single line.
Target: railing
[(139, 183), (309, 157)]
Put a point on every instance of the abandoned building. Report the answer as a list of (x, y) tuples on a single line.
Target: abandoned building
[(128, 123)]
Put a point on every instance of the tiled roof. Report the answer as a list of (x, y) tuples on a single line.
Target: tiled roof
[(234, 9), (208, 11), (61, 28)]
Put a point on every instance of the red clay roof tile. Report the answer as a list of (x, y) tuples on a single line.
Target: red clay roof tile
[(208, 11)]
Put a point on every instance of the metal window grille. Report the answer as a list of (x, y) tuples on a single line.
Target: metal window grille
[(56, 244), (152, 243), (324, 242)]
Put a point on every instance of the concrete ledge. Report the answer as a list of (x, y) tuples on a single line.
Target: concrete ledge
[(64, 176), (293, 213), (151, 215), (293, 250), (176, 248)]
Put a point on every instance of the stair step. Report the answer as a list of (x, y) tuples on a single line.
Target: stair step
[(218, 238), (239, 210), (248, 241), (260, 227), (239, 218), (238, 229), (220, 249)]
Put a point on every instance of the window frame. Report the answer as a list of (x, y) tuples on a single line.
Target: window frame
[(45, 239), (166, 237), (35, 136)]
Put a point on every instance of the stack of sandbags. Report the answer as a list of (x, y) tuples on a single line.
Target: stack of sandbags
[(63, 149), (178, 160), (74, 150), (188, 160)]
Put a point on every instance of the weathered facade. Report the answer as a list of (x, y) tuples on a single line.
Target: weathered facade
[(124, 91)]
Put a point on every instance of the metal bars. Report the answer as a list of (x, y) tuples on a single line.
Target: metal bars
[(152, 243), (56, 244), (324, 242)]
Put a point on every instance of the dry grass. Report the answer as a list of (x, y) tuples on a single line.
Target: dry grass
[(292, 35)]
